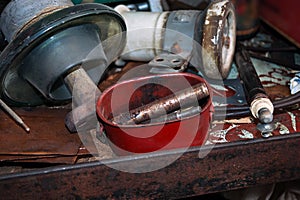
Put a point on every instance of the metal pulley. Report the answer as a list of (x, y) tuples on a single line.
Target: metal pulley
[(48, 41), (206, 37)]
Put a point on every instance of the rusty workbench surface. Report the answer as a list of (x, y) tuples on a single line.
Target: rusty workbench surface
[(226, 167)]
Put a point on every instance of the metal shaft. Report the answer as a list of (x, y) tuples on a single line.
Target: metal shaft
[(82, 87), (181, 99), (85, 93), (177, 115)]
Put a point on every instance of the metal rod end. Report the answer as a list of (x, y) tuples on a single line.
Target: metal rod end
[(27, 129), (265, 115)]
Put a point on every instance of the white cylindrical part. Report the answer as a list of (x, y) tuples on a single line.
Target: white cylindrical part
[(260, 103), (145, 34), (19, 14)]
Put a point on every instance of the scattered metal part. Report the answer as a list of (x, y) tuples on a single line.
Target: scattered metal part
[(262, 109), (283, 130), (167, 63), (246, 134), (160, 107), (266, 134), (266, 129), (233, 88), (295, 84), (14, 115), (293, 119), (222, 134), (265, 116), (260, 105)]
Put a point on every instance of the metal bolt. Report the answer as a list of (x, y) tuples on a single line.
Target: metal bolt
[(266, 129), (265, 116)]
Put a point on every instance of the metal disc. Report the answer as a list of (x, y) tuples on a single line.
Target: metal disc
[(219, 38)]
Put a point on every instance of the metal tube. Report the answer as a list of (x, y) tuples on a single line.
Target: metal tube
[(177, 115), (82, 87), (183, 98), (85, 93)]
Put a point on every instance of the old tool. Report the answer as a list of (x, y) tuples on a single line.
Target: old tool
[(261, 106), (206, 37), (49, 41), (182, 99), (177, 115)]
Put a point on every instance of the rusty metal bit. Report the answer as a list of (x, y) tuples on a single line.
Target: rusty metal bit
[(160, 107), (177, 115)]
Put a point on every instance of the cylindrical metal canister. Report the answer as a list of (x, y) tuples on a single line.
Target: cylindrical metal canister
[(205, 38)]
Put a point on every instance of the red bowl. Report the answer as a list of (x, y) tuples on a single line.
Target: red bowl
[(145, 138)]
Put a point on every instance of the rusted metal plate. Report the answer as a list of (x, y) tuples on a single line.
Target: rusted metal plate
[(226, 167)]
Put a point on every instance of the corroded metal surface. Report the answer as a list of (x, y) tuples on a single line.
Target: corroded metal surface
[(226, 167), (171, 103), (219, 38)]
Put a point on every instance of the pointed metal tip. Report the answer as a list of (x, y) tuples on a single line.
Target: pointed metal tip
[(27, 129)]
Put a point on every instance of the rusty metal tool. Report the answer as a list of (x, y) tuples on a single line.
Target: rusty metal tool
[(177, 115), (158, 108), (14, 115)]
